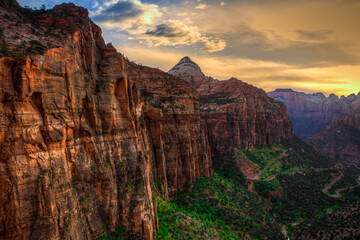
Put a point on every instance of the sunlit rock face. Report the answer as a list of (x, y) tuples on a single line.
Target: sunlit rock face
[(341, 138), (235, 113), (181, 147), (80, 149), (311, 113)]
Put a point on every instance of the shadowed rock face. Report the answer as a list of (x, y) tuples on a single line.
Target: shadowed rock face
[(79, 147), (311, 113), (341, 138), (235, 113)]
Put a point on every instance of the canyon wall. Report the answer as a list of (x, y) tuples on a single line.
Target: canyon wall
[(311, 113), (341, 138), (182, 150), (80, 150), (235, 113)]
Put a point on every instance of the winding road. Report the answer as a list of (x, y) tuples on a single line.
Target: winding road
[(327, 187), (337, 192), (256, 176)]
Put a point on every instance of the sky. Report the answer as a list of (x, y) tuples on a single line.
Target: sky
[(306, 45)]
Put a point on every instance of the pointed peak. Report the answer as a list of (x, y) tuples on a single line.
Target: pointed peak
[(186, 59), (185, 65), (189, 71)]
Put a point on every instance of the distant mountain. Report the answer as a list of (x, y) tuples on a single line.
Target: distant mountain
[(341, 139), (236, 114), (311, 113)]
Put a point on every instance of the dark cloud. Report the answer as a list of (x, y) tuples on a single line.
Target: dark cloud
[(314, 35), (119, 12), (164, 30), (254, 44), (325, 54)]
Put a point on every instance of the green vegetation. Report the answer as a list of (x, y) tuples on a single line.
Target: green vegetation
[(120, 233), (36, 47), (345, 181), (227, 207), (163, 103), (217, 207), (218, 98)]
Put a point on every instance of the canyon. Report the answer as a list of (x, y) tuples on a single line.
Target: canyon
[(80, 149), (89, 139), (341, 138), (311, 113)]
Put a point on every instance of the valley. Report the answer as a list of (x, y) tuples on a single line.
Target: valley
[(96, 146)]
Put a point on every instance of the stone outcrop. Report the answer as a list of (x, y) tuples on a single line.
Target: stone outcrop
[(182, 151), (235, 113), (341, 138), (311, 113), (80, 150)]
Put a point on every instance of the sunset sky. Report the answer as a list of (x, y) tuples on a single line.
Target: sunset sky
[(307, 45)]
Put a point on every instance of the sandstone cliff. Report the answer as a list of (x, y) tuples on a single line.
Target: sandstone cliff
[(311, 113), (182, 151), (80, 150), (341, 138), (235, 113)]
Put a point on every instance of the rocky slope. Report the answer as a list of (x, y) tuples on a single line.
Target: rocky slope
[(340, 139), (235, 113), (311, 113), (80, 150)]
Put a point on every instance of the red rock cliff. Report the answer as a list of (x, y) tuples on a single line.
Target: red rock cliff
[(311, 113), (182, 151), (235, 113), (79, 148), (341, 138)]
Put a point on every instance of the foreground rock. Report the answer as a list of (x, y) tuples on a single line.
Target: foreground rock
[(311, 113), (80, 151), (235, 113)]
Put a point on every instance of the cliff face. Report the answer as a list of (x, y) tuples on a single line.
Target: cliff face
[(235, 114), (80, 151), (311, 113), (340, 139), (182, 151)]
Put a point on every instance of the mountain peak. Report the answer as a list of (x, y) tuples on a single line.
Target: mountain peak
[(186, 62), (284, 90), (189, 71), (186, 59)]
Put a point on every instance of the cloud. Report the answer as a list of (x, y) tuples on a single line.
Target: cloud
[(214, 45), (314, 35), (201, 6), (175, 33), (164, 30), (125, 14)]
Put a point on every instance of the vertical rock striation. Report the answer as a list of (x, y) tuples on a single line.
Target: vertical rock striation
[(311, 113), (182, 151), (341, 138), (80, 150), (235, 113)]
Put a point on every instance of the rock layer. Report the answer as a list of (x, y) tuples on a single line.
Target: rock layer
[(340, 139), (311, 113), (80, 151), (182, 150), (235, 113)]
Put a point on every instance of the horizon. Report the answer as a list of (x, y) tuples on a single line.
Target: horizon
[(308, 46)]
